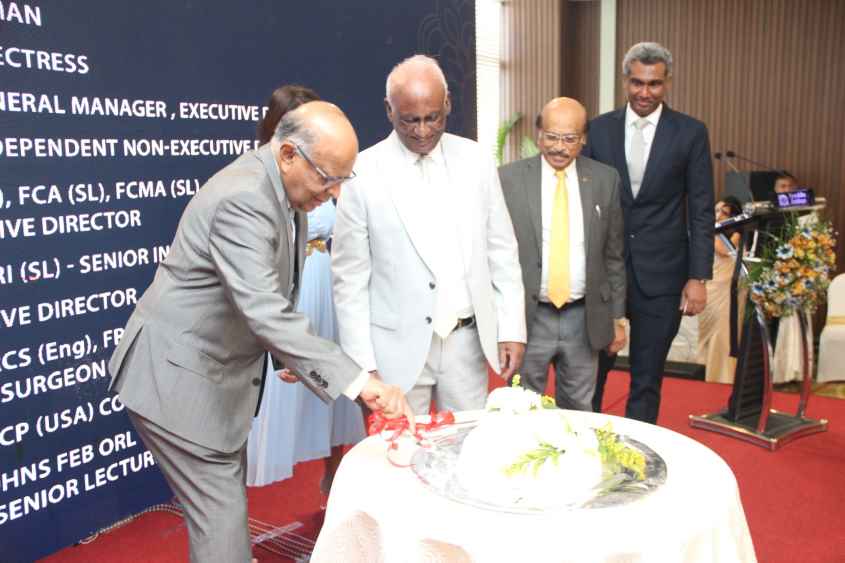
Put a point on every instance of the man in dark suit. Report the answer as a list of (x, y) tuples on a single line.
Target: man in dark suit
[(663, 157), (190, 362), (568, 222)]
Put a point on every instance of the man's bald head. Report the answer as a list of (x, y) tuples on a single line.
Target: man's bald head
[(319, 134), (417, 103), (320, 126), (568, 108), (561, 131)]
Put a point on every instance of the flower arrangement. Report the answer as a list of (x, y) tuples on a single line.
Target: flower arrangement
[(615, 455), (794, 272), (515, 399)]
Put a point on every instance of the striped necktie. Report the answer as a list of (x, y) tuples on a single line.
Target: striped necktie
[(637, 160)]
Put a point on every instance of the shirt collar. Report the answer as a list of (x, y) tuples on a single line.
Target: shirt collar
[(284, 193), (436, 153), (550, 172), (652, 118)]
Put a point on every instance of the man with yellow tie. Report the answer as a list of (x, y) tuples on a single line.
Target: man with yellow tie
[(567, 217)]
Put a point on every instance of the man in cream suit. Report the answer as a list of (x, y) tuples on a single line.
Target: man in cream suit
[(427, 284), (190, 363), (568, 220)]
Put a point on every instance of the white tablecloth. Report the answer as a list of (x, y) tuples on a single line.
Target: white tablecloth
[(378, 512)]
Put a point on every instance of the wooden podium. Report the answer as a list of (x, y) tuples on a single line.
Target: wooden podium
[(749, 415)]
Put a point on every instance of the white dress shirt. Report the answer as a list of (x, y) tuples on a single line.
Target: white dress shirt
[(577, 250), (648, 135), (442, 216)]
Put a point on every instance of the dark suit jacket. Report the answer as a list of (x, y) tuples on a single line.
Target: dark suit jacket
[(669, 227), (599, 189), (191, 359)]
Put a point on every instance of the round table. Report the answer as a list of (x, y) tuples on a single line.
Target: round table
[(380, 512)]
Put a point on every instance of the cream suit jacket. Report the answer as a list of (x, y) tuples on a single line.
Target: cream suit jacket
[(384, 253)]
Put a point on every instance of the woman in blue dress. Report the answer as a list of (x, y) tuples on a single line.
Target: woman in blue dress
[(293, 425)]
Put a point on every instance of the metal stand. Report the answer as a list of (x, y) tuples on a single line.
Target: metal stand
[(749, 415)]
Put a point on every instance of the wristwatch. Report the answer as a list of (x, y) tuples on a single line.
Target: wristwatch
[(622, 322)]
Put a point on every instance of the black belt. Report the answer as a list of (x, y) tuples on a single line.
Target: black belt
[(562, 307), (469, 321)]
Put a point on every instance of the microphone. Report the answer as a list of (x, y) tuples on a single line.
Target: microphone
[(735, 221), (725, 158), (732, 154), (752, 208)]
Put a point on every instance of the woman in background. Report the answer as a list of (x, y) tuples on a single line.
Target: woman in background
[(294, 425), (714, 321)]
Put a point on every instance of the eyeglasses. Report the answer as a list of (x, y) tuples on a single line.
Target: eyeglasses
[(566, 139), (436, 120), (327, 179)]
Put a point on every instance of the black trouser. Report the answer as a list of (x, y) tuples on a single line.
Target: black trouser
[(654, 323)]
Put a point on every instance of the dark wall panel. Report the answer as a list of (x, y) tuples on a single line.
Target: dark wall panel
[(580, 75)]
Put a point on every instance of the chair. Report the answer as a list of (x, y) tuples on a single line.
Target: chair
[(832, 341)]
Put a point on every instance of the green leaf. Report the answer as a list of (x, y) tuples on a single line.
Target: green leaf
[(502, 136), (533, 459), (528, 147)]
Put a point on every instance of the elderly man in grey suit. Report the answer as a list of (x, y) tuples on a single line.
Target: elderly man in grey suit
[(427, 284), (568, 221), (190, 362)]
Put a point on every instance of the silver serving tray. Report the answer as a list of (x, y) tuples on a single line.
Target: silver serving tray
[(435, 466)]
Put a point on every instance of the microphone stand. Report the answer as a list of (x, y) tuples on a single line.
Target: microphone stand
[(748, 415), (732, 154)]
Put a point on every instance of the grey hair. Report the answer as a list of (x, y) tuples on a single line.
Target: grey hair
[(647, 53), (423, 60), (292, 128)]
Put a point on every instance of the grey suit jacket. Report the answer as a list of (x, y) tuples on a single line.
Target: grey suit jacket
[(191, 358), (603, 231)]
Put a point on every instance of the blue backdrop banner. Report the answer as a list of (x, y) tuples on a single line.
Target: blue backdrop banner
[(112, 114)]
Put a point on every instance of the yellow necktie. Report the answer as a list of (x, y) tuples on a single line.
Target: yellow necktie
[(559, 248)]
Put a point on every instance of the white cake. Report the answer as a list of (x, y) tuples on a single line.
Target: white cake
[(522, 454)]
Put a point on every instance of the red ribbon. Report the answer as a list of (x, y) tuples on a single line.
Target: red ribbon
[(377, 423)]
